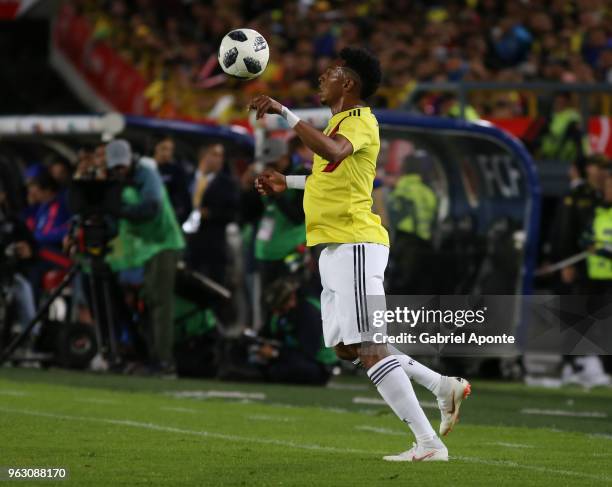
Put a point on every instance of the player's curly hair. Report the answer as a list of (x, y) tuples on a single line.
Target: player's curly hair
[(366, 65)]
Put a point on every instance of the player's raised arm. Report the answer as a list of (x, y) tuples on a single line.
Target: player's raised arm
[(331, 149)]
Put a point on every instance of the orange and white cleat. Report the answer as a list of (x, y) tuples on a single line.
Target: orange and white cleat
[(453, 390), (420, 453)]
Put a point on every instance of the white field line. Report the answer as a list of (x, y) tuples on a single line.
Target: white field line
[(533, 468), (372, 401), (204, 434), (376, 401), (292, 444), (382, 431), (509, 445), (8, 392), (269, 417), (179, 410), (561, 412), (601, 436), (94, 400), (260, 396)]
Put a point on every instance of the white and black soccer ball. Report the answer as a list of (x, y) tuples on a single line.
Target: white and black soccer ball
[(243, 53)]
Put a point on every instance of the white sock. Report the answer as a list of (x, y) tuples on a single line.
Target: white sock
[(428, 378), (396, 389)]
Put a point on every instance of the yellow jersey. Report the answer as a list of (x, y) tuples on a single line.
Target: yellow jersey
[(338, 195)]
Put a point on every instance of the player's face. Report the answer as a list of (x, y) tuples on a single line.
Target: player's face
[(330, 85)]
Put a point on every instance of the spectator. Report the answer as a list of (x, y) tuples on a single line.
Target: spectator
[(151, 219), (450, 42), (61, 171), (414, 209), (598, 285), (281, 229), (216, 198), (583, 211), (174, 177), (564, 139), (17, 241), (49, 223)]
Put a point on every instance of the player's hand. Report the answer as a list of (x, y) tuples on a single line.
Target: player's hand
[(270, 182), (264, 104)]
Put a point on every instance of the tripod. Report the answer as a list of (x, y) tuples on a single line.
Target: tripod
[(100, 281)]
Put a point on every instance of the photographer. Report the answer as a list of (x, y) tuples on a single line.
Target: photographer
[(289, 348), (292, 347), (151, 219)]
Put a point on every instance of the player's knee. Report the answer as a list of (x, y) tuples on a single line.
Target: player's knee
[(371, 354), (346, 352)]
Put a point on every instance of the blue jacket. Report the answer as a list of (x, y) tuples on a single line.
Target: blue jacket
[(50, 223)]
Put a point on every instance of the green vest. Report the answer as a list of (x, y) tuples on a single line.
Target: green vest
[(599, 266), (470, 114), (277, 236), (137, 242), (325, 355), (555, 144), (415, 206), (190, 320)]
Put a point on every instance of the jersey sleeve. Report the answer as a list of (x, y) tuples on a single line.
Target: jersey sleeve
[(357, 131)]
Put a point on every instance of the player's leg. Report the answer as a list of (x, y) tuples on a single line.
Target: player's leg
[(449, 391), (383, 369), (395, 388)]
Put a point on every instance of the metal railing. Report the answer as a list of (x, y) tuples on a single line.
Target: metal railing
[(533, 91)]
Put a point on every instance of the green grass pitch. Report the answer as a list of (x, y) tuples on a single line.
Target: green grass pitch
[(109, 430)]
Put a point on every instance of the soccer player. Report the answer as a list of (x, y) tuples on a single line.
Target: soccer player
[(338, 209)]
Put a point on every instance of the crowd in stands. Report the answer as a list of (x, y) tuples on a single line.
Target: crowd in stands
[(173, 43)]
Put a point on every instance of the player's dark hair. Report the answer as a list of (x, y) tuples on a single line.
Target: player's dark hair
[(366, 65)]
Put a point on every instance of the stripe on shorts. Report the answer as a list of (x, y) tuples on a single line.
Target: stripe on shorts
[(365, 294), (355, 280)]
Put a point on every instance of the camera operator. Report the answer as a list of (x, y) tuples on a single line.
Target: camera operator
[(289, 348), (151, 219), (292, 347), (17, 253)]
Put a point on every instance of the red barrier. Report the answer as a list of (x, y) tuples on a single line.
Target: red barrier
[(105, 71), (599, 131)]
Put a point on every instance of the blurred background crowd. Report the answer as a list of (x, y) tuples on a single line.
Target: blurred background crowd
[(174, 43)]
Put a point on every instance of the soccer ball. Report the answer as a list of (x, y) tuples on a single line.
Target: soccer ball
[(243, 53)]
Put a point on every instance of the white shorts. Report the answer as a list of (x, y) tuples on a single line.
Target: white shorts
[(349, 273)]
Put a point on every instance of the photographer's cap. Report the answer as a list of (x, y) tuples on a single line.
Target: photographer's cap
[(118, 153)]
